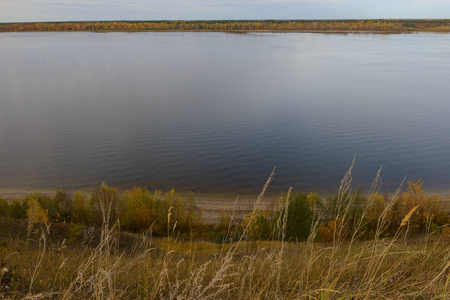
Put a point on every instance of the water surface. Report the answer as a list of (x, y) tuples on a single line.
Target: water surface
[(216, 111)]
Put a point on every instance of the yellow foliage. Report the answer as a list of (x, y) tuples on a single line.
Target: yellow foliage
[(414, 195), (328, 233), (136, 214), (418, 209), (35, 213), (446, 232), (257, 225)]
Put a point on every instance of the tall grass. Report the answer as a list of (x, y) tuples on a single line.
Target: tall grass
[(168, 268)]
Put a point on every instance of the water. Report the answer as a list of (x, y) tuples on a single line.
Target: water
[(214, 112)]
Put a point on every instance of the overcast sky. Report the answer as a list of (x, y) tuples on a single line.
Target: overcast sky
[(83, 10)]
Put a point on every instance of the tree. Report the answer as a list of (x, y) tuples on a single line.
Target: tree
[(427, 209), (18, 210), (136, 209), (4, 207), (36, 214), (300, 217), (104, 203), (80, 211)]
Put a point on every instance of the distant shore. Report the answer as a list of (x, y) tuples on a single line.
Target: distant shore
[(378, 26)]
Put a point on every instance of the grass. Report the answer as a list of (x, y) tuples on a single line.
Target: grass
[(109, 264), (171, 269)]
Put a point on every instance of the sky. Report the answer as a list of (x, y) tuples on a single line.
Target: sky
[(90, 10)]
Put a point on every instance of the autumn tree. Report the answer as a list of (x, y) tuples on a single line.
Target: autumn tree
[(427, 209), (104, 203), (137, 209), (36, 214)]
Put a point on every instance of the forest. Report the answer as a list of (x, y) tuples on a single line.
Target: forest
[(336, 26)]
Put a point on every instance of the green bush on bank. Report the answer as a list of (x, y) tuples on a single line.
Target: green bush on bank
[(4, 207), (139, 210), (136, 210)]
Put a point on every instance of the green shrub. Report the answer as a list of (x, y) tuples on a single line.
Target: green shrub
[(65, 205), (4, 207), (259, 229), (300, 217), (80, 211), (18, 210), (75, 232)]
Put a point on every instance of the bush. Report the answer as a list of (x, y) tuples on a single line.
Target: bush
[(105, 198), (75, 232), (18, 210), (65, 205), (259, 227), (446, 233), (80, 211), (375, 211), (35, 213), (137, 209), (327, 233), (4, 207), (300, 217), (428, 209)]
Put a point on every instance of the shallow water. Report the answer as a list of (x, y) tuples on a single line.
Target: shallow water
[(214, 112)]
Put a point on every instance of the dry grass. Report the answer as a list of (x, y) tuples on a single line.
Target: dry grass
[(168, 268)]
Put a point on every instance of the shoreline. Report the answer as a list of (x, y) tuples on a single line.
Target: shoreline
[(387, 32), (209, 205), (339, 26)]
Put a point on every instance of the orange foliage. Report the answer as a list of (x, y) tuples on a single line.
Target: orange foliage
[(446, 232), (329, 232), (428, 209)]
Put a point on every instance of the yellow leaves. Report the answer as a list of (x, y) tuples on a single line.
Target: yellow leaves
[(157, 194), (414, 194), (35, 213), (417, 209), (446, 232), (136, 209), (328, 233), (257, 226)]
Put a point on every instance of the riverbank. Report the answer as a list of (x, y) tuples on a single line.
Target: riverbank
[(209, 205), (330, 26)]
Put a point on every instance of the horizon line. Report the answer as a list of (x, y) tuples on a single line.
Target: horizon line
[(235, 20)]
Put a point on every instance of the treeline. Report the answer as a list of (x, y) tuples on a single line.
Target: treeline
[(353, 216), (381, 25), (293, 217), (136, 210)]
